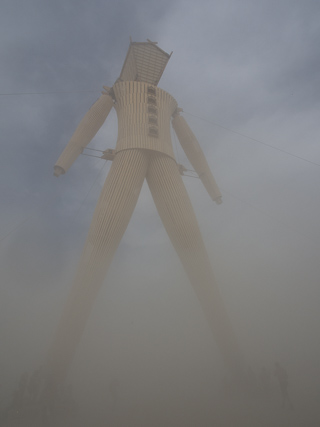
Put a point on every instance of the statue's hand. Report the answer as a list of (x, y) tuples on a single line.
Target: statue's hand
[(58, 170)]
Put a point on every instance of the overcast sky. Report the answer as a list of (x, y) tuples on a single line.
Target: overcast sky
[(247, 76)]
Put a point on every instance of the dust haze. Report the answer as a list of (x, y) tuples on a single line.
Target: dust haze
[(247, 78)]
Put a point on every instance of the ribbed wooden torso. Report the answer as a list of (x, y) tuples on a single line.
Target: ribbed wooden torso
[(144, 112)]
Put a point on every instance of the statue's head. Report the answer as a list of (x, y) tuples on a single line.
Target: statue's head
[(145, 62)]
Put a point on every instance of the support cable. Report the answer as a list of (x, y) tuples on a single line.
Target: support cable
[(253, 139), (48, 93)]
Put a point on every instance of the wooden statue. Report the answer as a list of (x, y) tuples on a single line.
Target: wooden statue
[(143, 151)]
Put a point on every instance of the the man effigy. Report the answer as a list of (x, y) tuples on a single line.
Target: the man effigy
[(143, 151)]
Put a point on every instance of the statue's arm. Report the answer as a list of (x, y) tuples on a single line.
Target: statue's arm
[(195, 155), (86, 130)]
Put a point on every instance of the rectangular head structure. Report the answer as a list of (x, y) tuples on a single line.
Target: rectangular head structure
[(145, 62)]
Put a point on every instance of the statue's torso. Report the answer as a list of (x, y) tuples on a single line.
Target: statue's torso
[(144, 112)]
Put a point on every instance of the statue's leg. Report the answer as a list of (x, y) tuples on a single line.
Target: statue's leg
[(111, 217), (176, 212)]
